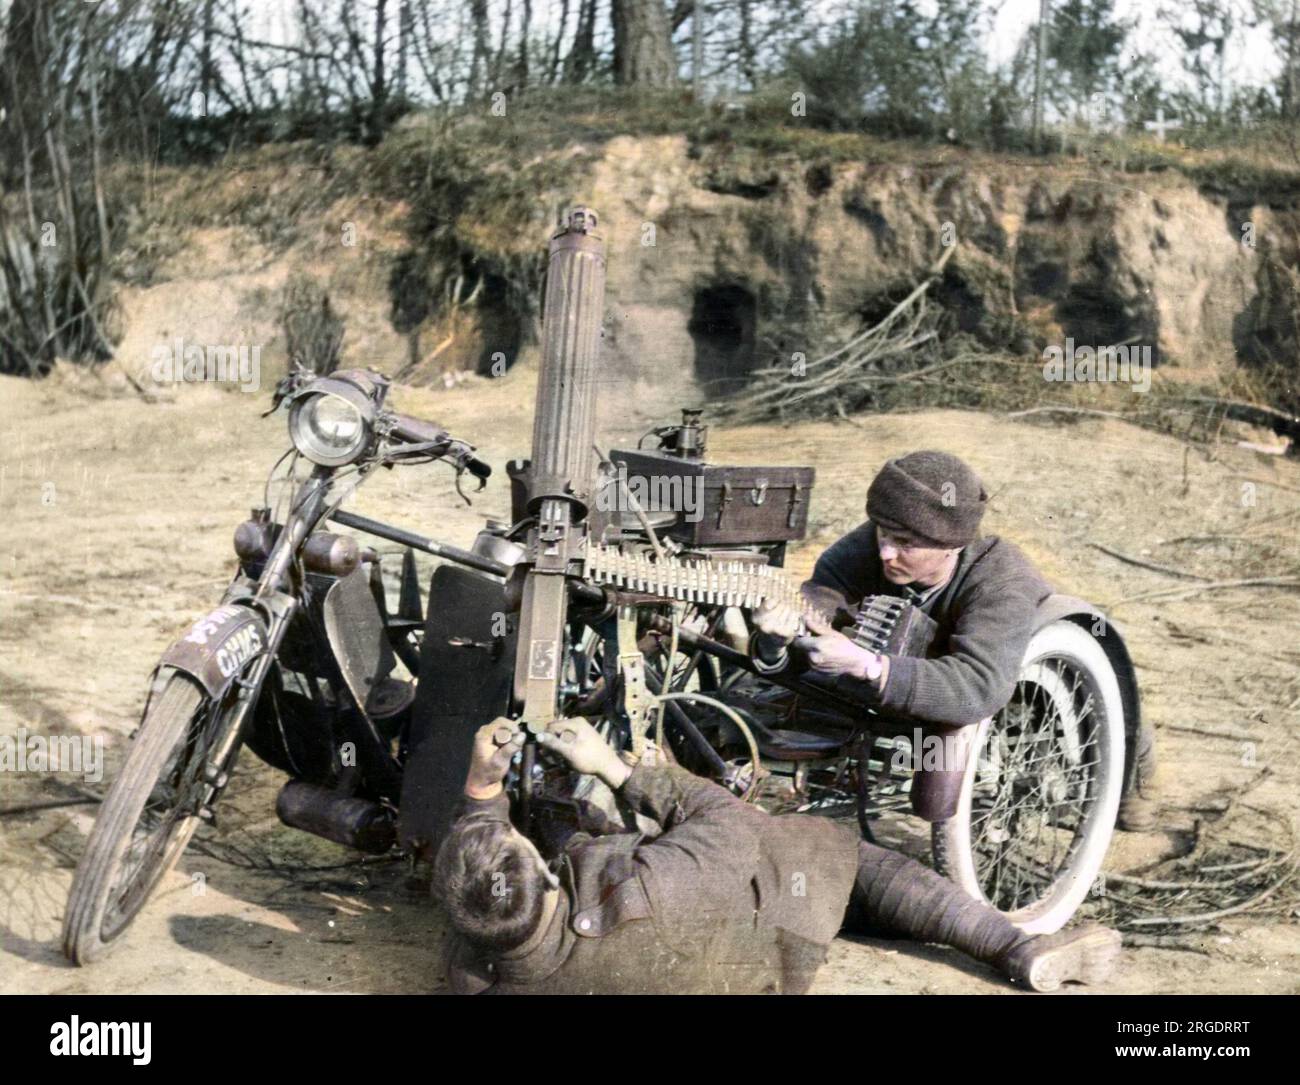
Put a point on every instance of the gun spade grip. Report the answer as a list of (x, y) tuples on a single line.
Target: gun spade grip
[(564, 423)]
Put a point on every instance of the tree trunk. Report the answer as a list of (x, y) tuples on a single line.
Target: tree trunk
[(378, 90), (498, 63), (405, 31), (205, 55), (582, 57), (478, 10), (521, 68), (746, 45), (378, 84), (553, 73), (1290, 62), (643, 47)]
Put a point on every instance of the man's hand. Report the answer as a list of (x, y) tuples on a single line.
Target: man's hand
[(495, 744), (581, 746), (833, 653), (777, 624)]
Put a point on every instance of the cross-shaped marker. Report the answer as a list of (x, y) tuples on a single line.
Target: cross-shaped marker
[(1159, 126)]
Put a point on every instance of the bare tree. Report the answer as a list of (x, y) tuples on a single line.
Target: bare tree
[(643, 47), (581, 61), (80, 82)]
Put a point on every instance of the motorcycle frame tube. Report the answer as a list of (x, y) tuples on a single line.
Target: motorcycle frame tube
[(420, 542)]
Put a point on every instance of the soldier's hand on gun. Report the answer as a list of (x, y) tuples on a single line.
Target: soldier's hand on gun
[(582, 746), (832, 653), (777, 621), (495, 745)]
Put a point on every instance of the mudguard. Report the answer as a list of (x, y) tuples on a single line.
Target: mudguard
[(217, 647), (1057, 607)]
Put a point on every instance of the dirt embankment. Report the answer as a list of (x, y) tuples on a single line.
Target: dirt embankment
[(118, 517), (724, 256)]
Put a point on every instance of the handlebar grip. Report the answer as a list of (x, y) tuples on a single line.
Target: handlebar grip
[(478, 468)]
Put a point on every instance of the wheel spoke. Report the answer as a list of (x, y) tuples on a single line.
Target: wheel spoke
[(164, 812), (1028, 819)]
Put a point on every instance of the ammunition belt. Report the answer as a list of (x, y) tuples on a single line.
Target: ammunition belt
[(892, 626), (717, 583)]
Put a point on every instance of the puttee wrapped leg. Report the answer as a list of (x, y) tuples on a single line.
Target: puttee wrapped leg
[(896, 895)]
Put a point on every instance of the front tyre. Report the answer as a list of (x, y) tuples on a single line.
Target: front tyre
[(146, 821), (1042, 786)]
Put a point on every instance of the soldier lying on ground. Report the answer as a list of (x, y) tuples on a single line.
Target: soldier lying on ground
[(920, 542), (727, 899)]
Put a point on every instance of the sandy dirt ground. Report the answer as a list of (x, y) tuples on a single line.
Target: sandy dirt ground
[(117, 517)]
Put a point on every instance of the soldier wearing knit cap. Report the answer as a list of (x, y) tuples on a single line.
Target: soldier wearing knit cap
[(930, 497), (921, 542)]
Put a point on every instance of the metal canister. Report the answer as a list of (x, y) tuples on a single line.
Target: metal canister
[(490, 544)]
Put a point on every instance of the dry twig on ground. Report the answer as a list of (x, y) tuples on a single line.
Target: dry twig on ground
[(1220, 877)]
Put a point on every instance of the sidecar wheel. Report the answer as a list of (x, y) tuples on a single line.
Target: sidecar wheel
[(1042, 787), (143, 824)]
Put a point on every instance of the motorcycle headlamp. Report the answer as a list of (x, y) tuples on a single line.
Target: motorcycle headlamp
[(332, 420)]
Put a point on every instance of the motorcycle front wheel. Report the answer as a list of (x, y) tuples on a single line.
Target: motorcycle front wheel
[(148, 817)]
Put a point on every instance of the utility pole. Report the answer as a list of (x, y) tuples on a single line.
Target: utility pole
[(1044, 14)]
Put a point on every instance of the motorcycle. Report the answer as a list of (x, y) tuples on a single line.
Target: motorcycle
[(299, 663)]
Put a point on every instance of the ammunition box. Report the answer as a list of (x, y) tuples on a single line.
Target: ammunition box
[(716, 505)]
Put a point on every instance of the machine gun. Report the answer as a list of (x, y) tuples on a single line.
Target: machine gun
[(564, 553), (561, 476), (727, 554)]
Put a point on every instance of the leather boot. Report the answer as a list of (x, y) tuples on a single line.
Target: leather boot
[(1084, 954), (1138, 805)]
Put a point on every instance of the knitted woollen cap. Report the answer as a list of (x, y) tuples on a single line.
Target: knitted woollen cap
[(932, 497)]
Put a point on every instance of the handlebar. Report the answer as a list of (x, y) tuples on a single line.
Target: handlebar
[(416, 431), (411, 430)]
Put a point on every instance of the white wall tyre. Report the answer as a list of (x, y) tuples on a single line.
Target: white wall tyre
[(1042, 786)]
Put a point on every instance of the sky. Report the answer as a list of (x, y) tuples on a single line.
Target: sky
[(1251, 58)]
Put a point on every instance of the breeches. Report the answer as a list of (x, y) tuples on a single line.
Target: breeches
[(941, 767)]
